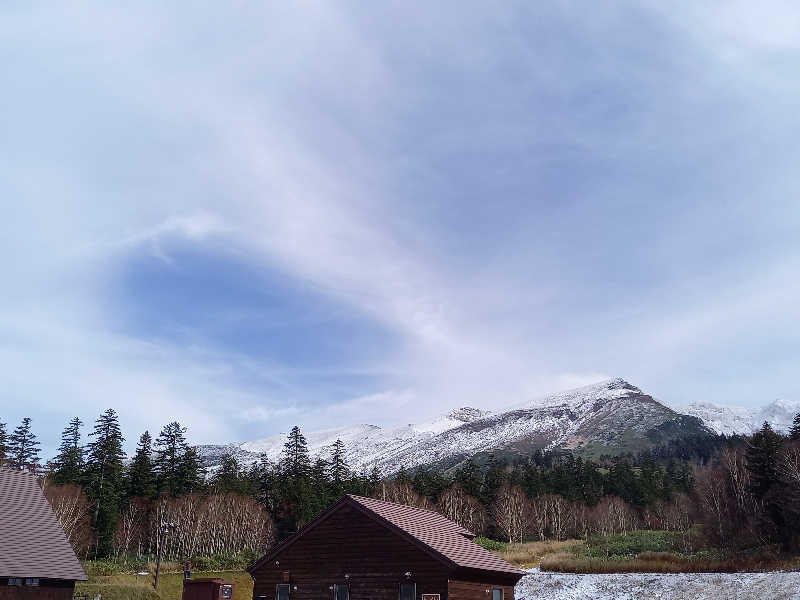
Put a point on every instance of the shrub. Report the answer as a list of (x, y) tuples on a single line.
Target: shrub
[(489, 544), (95, 568)]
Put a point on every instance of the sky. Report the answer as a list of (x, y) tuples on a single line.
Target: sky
[(249, 215)]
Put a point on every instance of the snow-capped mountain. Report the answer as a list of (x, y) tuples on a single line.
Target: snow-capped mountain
[(604, 418), (364, 443), (608, 417), (731, 420)]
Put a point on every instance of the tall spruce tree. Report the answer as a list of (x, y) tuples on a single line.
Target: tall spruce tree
[(105, 481), (297, 502), (68, 464), (794, 432), (141, 476), (763, 452), (191, 472), (229, 476), (338, 471), (24, 448), (4, 449), (295, 453), (170, 448), (373, 480)]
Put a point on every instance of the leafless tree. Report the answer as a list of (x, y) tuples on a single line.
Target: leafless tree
[(458, 506), (402, 493), (196, 526), (71, 508), (510, 510)]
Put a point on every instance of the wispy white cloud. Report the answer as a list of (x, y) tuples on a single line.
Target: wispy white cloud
[(527, 199)]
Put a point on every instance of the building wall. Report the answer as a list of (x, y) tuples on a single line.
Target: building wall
[(472, 590), (46, 590), (348, 542)]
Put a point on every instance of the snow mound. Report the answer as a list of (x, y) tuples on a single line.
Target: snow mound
[(634, 586)]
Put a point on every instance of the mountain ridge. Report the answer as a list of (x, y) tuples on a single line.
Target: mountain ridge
[(608, 417)]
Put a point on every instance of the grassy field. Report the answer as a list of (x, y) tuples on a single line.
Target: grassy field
[(170, 586), (636, 552), (528, 554)]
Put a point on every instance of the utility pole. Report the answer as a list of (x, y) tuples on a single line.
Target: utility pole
[(162, 530)]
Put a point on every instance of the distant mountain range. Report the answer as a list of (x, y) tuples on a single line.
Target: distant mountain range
[(610, 417), (730, 420)]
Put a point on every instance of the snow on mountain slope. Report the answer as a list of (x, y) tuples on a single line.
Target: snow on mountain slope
[(364, 444), (731, 420), (605, 418), (602, 418)]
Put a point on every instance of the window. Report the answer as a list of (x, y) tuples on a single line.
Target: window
[(227, 591), (32, 581), (14, 581), (497, 594), (282, 591), (341, 592), (408, 591)]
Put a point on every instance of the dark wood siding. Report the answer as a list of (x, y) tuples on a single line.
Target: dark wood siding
[(46, 590), (349, 542), (472, 590)]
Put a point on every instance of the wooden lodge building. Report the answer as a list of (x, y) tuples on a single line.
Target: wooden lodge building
[(367, 549), (36, 560)]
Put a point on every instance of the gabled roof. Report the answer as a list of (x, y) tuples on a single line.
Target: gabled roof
[(32, 543), (440, 537)]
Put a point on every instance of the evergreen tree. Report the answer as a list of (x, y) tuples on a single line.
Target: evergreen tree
[(141, 475), (191, 473), (762, 460), (495, 476), (105, 482), (297, 498), (170, 448), (468, 477), (295, 452), (68, 464), (229, 477), (373, 481), (23, 447), (402, 476), (338, 471), (794, 432), (4, 448)]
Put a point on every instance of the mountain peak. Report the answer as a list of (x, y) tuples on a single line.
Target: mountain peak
[(608, 389), (467, 414)]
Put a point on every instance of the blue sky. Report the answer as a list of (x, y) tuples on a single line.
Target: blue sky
[(259, 214)]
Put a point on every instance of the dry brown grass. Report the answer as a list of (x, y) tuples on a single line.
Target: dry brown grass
[(659, 562), (530, 554), (170, 586)]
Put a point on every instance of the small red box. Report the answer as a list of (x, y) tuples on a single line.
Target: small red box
[(207, 589)]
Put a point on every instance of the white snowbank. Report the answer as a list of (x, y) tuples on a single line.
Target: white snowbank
[(650, 586)]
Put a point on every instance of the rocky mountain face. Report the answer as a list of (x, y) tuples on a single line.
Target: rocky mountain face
[(610, 417)]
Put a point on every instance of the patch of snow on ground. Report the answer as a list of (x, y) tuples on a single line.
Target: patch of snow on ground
[(539, 585)]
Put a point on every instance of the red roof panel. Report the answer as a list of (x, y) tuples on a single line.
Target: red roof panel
[(32, 543), (438, 533)]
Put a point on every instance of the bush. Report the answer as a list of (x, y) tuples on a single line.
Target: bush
[(102, 568), (489, 544), (633, 543), (225, 561)]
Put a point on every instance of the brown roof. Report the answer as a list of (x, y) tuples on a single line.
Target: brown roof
[(439, 536), (438, 533), (32, 543)]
